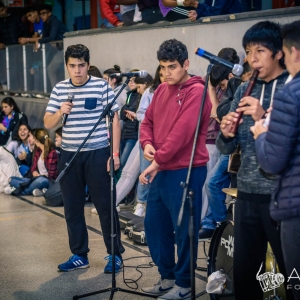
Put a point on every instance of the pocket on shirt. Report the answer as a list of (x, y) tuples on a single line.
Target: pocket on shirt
[(90, 103)]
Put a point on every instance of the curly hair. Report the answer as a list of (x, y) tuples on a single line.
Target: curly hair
[(172, 50), (77, 51)]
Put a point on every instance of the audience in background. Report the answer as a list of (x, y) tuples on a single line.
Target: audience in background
[(94, 71), (129, 11), (33, 17), (11, 27), (43, 169), (116, 83), (110, 13), (212, 8), (10, 118), (53, 30), (129, 133), (20, 148), (150, 11)]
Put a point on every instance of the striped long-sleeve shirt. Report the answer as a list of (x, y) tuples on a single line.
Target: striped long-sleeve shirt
[(89, 102)]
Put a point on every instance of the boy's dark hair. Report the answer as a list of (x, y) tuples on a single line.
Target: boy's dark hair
[(291, 35), (172, 50), (229, 54), (59, 131), (46, 7), (31, 9), (77, 51), (2, 4), (267, 34), (115, 69), (218, 74), (246, 67)]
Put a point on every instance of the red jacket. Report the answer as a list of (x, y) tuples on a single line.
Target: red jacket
[(170, 123), (50, 163), (107, 9)]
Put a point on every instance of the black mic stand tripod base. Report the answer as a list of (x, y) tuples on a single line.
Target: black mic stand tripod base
[(113, 287)]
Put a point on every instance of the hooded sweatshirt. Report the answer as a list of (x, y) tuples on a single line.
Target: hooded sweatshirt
[(170, 123), (251, 179)]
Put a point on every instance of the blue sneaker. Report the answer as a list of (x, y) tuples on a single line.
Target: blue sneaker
[(118, 264), (74, 262)]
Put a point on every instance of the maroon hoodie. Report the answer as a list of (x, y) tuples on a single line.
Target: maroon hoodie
[(170, 124)]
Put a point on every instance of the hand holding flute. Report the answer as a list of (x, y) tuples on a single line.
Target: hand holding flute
[(248, 106)]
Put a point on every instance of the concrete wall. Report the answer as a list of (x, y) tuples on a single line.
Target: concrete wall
[(136, 46)]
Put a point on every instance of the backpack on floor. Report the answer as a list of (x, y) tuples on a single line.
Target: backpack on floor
[(53, 195)]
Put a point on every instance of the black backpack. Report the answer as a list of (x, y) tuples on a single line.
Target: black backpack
[(53, 195)]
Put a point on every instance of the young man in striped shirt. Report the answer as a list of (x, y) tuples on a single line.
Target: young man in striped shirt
[(90, 97)]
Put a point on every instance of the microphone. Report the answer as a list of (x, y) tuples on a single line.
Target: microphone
[(236, 69), (65, 116), (141, 74)]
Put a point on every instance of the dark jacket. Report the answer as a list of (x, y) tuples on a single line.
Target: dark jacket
[(53, 30), (221, 7), (142, 4), (250, 178), (11, 28), (13, 126), (130, 128), (278, 151), (224, 106)]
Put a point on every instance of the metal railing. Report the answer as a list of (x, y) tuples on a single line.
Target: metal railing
[(23, 70)]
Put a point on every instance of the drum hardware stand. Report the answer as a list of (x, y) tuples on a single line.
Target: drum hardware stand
[(110, 113), (189, 194), (204, 250)]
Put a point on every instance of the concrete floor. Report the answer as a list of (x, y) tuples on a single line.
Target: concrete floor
[(33, 241)]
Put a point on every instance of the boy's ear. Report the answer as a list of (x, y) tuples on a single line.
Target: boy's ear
[(279, 55), (186, 64)]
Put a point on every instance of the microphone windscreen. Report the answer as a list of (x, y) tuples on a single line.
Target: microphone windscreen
[(143, 73), (237, 70)]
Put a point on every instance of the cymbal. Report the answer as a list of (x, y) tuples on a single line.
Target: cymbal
[(231, 192)]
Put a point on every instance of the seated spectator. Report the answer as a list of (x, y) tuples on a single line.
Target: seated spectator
[(9, 168), (116, 84), (172, 11), (33, 17), (58, 137), (10, 117), (128, 11), (110, 13), (43, 169), (20, 148), (53, 30), (212, 8), (150, 11)]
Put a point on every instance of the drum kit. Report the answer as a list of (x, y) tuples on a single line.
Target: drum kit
[(221, 249)]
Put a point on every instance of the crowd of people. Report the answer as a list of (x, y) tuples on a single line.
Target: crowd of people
[(153, 134)]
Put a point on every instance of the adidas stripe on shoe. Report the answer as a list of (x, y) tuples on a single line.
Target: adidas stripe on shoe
[(74, 262)]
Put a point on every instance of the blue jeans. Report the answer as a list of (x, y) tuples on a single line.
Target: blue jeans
[(109, 25), (163, 206), (219, 179), (126, 147), (40, 183), (142, 189)]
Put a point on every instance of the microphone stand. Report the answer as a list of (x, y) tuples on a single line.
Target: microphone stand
[(110, 113), (190, 194)]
